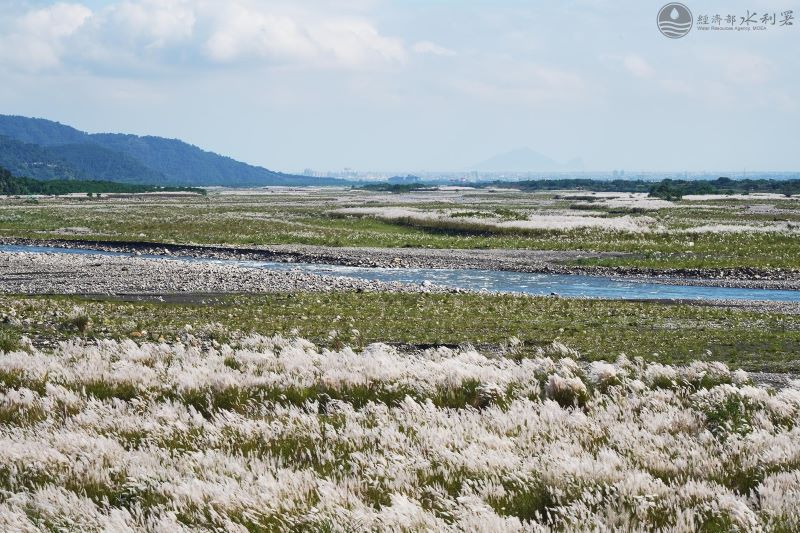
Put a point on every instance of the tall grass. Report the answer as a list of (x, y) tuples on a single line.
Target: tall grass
[(9, 339), (275, 434)]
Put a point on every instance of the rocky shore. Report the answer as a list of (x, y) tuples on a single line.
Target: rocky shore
[(50, 273), (509, 260), (145, 277)]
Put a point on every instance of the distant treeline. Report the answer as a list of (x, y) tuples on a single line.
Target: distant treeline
[(396, 187), (11, 185), (668, 189), (675, 189)]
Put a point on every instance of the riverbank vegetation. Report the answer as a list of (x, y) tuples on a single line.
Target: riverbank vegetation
[(15, 186), (668, 189), (599, 329), (274, 434), (756, 231)]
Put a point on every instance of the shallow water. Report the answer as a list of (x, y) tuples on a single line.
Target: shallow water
[(491, 280)]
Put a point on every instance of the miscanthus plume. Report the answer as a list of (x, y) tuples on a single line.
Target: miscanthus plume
[(276, 434)]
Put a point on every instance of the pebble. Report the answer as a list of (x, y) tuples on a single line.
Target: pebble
[(508, 260), (37, 273)]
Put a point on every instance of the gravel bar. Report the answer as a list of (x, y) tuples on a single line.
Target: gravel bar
[(122, 276), (51, 273), (536, 261)]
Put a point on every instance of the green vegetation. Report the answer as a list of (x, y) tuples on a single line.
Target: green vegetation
[(396, 188), (48, 150), (9, 338), (598, 329), (668, 189), (73, 162), (10, 185), (309, 218), (572, 184), (676, 189)]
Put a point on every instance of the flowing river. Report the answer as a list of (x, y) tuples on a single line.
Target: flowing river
[(490, 280)]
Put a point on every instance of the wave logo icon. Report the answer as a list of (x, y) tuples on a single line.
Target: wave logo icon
[(675, 20)]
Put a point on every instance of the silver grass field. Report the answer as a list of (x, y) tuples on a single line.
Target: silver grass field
[(275, 434)]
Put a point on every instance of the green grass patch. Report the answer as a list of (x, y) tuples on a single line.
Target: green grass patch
[(599, 329), (9, 339), (308, 219)]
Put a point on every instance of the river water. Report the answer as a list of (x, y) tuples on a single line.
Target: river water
[(490, 280)]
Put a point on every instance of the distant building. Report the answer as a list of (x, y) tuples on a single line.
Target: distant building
[(401, 180)]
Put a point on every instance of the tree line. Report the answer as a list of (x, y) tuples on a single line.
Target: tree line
[(16, 186)]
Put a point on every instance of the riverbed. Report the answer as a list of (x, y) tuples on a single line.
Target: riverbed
[(77, 270)]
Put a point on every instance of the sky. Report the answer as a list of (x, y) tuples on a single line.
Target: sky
[(414, 85)]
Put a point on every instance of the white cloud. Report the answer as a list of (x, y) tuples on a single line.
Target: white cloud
[(54, 22), (744, 68), (513, 81), (240, 32), (677, 86), (783, 100), (731, 77), (711, 93), (157, 22), (245, 31), (135, 33), (638, 66), (427, 47), (36, 40)]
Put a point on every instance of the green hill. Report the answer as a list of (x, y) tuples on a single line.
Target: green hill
[(184, 163), (39, 131), (73, 162), (67, 153)]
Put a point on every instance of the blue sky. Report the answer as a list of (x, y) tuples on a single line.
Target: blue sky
[(413, 85)]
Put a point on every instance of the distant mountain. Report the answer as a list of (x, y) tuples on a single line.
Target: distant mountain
[(184, 164), (524, 160), (49, 150)]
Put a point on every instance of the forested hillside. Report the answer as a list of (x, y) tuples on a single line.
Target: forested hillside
[(50, 150), (73, 162)]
